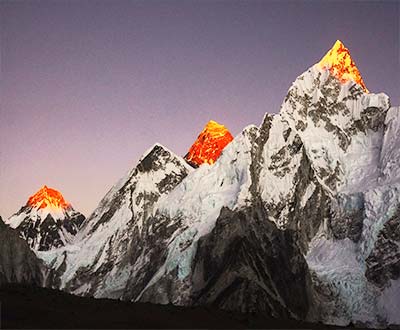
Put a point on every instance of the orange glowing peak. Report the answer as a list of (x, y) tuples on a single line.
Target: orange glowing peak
[(48, 197), (209, 144), (340, 64)]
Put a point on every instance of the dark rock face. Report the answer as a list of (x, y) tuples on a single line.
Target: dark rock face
[(244, 264), (153, 243), (18, 264), (305, 220), (45, 234), (194, 165), (347, 217), (247, 264), (383, 264)]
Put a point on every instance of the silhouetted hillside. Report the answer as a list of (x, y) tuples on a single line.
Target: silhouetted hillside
[(31, 307)]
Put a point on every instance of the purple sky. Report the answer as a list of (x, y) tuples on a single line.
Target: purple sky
[(86, 87)]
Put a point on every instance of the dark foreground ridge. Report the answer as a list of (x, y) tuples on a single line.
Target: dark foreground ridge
[(26, 307)]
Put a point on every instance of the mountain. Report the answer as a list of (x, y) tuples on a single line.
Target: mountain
[(209, 144), (297, 218), (307, 170), (118, 238), (346, 133), (18, 264), (47, 221)]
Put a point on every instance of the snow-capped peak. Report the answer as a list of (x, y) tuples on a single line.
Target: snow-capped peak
[(209, 144), (154, 147), (44, 202), (47, 220), (340, 64), (48, 198), (156, 156)]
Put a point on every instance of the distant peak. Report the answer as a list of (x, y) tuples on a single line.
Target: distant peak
[(48, 197), (209, 144), (340, 64)]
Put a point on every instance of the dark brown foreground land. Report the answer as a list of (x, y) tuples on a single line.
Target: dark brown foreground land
[(29, 307)]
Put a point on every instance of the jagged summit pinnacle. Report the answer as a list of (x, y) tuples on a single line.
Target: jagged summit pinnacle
[(154, 157), (48, 197), (209, 144), (154, 149), (340, 64), (158, 156)]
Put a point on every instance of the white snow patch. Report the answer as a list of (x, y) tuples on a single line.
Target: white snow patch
[(307, 194)]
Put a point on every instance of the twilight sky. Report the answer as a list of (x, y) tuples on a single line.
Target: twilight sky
[(87, 86)]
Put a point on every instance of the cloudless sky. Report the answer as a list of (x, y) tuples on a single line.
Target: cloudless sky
[(87, 86)]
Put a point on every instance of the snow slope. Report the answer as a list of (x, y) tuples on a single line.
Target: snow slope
[(97, 263)]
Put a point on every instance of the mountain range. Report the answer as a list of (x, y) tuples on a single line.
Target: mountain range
[(296, 218)]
